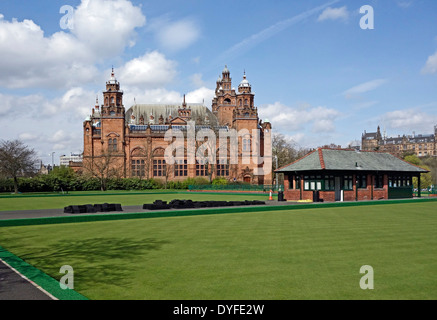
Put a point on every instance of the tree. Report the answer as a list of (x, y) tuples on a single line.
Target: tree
[(431, 162), (63, 178), (103, 167), (413, 159), (16, 159), (426, 179), (286, 151)]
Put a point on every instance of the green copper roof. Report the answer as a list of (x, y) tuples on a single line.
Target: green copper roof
[(350, 160)]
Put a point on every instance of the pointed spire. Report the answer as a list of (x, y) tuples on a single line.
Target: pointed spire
[(97, 103)]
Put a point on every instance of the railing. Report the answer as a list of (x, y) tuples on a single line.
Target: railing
[(431, 192), (236, 187)]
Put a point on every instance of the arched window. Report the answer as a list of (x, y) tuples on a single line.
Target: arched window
[(112, 145), (138, 163), (159, 165), (227, 101), (246, 144)]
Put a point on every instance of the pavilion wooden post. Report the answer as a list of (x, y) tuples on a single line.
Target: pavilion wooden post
[(419, 193)]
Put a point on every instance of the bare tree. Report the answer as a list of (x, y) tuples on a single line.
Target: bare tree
[(103, 167), (16, 159), (286, 151)]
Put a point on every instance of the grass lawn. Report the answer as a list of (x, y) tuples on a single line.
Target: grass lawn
[(35, 202), (294, 254)]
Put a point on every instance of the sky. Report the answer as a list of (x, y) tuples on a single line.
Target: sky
[(323, 71)]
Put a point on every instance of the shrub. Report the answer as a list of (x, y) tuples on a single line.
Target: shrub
[(219, 181)]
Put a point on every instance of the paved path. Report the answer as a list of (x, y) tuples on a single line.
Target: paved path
[(44, 213), (27, 214), (15, 287)]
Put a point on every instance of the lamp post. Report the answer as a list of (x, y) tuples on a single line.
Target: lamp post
[(277, 182)]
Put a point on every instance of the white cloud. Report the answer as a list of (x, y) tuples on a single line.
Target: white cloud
[(141, 96), (404, 4), (30, 59), (409, 119), (201, 95), (152, 70), (196, 79), (334, 14), (431, 65), (58, 136), (75, 104), (364, 87), (25, 136), (14, 107), (107, 26), (289, 119), (175, 35), (161, 95)]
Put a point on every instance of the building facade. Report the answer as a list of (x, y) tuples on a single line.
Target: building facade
[(65, 160), (422, 145), (136, 142)]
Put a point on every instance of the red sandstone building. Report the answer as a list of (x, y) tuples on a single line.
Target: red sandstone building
[(348, 175), (131, 143)]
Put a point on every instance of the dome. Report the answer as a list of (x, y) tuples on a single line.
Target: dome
[(226, 70), (244, 82)]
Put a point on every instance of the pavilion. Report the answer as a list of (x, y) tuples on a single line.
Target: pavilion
[(349, 175)]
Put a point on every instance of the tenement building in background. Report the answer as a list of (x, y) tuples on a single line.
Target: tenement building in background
[(422, 145), (133, 142)]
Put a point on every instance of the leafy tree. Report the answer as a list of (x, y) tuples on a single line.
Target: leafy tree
[(413, 159), (431, 162), (63, 178), (16, 159), (425, 179)]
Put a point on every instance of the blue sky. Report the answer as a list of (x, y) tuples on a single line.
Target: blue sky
[(318, 77)]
